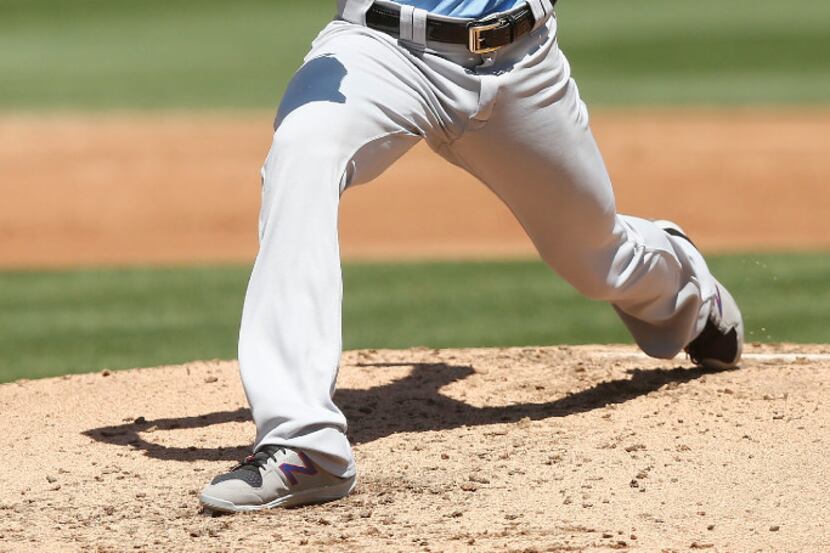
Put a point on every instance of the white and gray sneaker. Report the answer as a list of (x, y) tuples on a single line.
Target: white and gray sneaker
[(274, 477), (720, 344)]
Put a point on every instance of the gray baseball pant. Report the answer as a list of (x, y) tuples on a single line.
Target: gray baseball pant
[(515, 120)]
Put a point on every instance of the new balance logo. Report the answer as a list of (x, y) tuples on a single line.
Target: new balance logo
[(306, 468)]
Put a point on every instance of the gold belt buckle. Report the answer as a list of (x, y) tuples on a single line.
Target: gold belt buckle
[(476, 38)]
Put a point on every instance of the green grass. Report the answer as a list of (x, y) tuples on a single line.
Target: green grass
[(701, 52), (57, 322), (96, 54)]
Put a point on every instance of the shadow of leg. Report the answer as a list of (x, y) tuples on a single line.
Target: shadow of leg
[(411, 404)]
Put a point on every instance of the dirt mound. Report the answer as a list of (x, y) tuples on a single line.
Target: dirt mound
[(548, 449), (161, 188)]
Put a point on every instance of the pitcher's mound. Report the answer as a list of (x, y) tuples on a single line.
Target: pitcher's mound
[(527, 449)]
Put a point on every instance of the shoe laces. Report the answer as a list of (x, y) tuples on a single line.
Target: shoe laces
[(259, 459)]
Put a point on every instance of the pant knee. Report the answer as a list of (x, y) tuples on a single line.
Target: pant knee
[(605, 273), (597, 285)]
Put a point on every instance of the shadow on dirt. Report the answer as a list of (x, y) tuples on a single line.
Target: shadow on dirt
[(411, 404)]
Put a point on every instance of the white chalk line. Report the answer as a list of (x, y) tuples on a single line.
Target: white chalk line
[(785, 357)]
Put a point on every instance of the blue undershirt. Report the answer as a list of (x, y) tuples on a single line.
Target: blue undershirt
[(474, 9)]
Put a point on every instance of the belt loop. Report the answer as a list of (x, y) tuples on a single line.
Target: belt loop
[(406, 22), (419, 27), (541, 10), (414, 25), (353, 11)]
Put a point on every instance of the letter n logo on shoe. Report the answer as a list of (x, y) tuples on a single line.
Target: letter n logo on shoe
[(719, 300), (306, 468)]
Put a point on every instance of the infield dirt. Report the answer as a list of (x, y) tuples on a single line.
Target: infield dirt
[(180, 188), (549, 449)]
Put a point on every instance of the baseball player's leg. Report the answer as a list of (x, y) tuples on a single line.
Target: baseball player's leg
[(537, 153), (331, 131)]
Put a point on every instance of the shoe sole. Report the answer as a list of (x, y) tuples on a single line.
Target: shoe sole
[(306, 497)]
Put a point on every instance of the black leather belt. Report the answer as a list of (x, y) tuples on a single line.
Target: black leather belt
[(480, 36)]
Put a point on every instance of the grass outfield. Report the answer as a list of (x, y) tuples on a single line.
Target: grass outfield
[(218, 54), (52, 323)]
